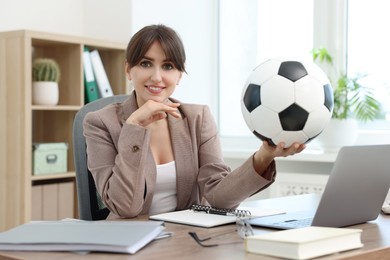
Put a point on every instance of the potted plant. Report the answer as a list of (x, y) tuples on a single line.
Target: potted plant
[(45, 77), (353, 102)]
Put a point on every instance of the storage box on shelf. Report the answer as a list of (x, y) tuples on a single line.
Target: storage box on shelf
[(50, 158), (22, 124)]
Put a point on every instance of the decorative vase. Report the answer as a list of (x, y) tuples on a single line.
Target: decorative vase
[(45, 93), (338, 133)]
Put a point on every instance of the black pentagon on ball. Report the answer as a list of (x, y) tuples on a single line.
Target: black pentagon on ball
[(262, 137), (292, 70), (293, 118), (252, 97), (313, 137), (329, 99)]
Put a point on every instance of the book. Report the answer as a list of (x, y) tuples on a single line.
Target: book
[(90, 85), (104, 236), (205, 216), (103, 84), (304, 243)]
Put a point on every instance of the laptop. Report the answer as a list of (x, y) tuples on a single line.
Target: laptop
[(354, 193)]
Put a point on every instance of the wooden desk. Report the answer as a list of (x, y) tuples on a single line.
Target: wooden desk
[(181, 246)]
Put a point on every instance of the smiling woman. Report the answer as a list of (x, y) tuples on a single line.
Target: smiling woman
[(154, 77), (178, 161)]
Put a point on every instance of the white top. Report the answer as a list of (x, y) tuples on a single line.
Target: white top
[(164, 197)]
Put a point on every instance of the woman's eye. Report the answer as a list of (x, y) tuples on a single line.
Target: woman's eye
[(145, 64), (168, 66)]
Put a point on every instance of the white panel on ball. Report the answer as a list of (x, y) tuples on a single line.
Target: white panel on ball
[(247, 116), (277, 99), (263, 126), (317, 121), (290, 137), (304, 89), (264, 73)]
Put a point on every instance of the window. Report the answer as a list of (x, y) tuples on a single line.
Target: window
[(368, 44), (251, 32)]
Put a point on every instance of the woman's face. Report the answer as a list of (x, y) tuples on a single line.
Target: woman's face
[(154, 77)]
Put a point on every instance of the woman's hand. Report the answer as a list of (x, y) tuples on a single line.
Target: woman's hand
[(280, 151), (153, 111), (264, 156)]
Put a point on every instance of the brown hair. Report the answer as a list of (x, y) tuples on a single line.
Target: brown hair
[(169, 40)]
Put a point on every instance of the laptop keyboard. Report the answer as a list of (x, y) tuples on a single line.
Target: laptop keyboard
[(296, 223)]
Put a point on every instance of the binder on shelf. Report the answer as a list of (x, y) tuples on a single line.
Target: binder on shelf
[(90, 85), (103, 84)]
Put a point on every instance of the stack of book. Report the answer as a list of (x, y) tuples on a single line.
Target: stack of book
[(304, 243)]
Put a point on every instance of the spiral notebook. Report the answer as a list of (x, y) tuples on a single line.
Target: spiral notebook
[(206, 216)]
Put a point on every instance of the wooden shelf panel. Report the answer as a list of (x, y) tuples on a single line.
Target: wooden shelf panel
[(56, 108), (54, 176)]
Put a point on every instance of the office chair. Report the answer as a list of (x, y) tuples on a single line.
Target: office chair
[(89, 202)]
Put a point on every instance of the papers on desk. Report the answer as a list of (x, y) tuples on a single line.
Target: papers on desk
[(304, 243), (203, 219), (105, 236)]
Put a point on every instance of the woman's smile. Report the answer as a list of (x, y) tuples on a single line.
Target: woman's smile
[(154, 89)]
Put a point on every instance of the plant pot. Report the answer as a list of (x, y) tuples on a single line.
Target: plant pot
[(45, 93), (338, 133)]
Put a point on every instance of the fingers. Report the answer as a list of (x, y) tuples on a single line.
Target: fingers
[(153, 111), (281, 151), (293, 149), (172, 109), (169, 108)]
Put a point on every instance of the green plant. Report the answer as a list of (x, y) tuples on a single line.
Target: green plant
[(351, 99), (44, 69)]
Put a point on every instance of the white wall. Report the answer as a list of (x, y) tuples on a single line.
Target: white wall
[(196, 22), (110, 20), (116, 20), (44, 15), (91, 18)]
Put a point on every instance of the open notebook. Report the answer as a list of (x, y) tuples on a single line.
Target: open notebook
[(204, 216)]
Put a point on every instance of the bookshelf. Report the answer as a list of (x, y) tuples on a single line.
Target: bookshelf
[(22, 124)]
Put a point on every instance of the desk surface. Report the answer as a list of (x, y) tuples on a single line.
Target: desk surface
[(375, 235)]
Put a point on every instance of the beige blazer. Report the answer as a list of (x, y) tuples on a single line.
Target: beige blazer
[(122, 164)]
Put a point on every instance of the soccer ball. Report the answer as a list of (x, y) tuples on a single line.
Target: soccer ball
[(287, 101)]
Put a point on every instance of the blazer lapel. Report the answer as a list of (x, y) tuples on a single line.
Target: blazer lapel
[(186, 168), (129, 106)]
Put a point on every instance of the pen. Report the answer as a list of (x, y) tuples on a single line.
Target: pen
[(218, 212), (224, 212)]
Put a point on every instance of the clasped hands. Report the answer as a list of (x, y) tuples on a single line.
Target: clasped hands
[(153, 111)]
